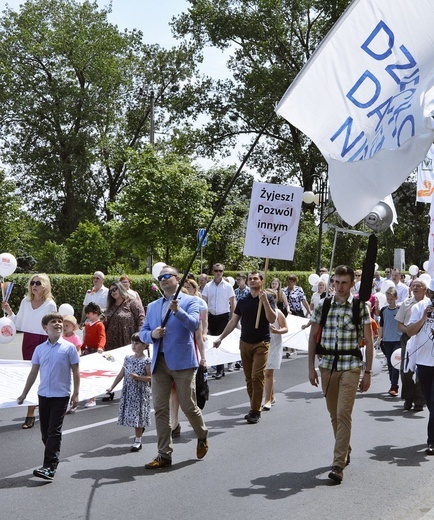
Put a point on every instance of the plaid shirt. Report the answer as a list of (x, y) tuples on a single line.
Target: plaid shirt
[(339, 329)]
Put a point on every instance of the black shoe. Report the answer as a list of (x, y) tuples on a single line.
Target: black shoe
[(248, 414), (253, 417), (219, 375), (430, 449), (176, 432), (337, 474), (137, 446), (109, 397), (45, 473), (418, 408), (407, 405), (238, 365)]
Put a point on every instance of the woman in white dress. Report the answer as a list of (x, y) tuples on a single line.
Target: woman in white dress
[(275, 354)]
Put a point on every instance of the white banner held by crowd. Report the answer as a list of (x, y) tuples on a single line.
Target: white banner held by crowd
[(366, 98), (273, 221)]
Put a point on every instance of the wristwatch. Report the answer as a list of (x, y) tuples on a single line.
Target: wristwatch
[(369, 372)]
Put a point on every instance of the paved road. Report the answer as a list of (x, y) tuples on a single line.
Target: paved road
[(276, 469)]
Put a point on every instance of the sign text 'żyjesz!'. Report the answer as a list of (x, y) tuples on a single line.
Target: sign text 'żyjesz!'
[(273, 221)]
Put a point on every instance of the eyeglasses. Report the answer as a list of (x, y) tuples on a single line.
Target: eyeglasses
[(218, 270), (165, 276), (114, 289), (37, 282), (358, 275)]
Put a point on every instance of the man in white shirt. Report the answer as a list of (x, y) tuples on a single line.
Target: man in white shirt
[(98, 294), (220, 297), (401, 288)]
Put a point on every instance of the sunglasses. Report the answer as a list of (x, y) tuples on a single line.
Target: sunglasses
[(165, 276), (113, 290), (218, 270), (37, 282)]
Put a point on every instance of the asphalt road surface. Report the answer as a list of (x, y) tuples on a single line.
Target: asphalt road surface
[(276, 469)]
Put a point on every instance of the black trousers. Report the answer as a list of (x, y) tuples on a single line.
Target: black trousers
[(52, 411), (216, 325)]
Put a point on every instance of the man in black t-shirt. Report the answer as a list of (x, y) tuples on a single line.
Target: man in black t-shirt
[(255, 341)]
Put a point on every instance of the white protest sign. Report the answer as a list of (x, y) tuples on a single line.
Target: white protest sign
[(366, 98), (273, 221)]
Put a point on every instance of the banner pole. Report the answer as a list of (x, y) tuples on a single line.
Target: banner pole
[(264, 282), (218, 208)]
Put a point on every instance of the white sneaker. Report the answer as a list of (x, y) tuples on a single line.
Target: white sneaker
[(90, 403), (71, 409)]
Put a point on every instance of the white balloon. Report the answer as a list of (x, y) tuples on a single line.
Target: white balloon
[(156, 269), (325, 277), (313, 279), (387, 284), (382, 301), (377, 366), (230, 280), (66, 310), (413, 270), (425, 277), (7, 330), (395, 358), (425, 265), (8, 264)]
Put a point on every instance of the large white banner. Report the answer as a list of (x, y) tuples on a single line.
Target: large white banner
[(366, 98), (273, 221), (97, 371)]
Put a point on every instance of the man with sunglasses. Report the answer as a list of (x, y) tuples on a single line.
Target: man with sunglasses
[(174, 360), (98, 295), (220, 297)]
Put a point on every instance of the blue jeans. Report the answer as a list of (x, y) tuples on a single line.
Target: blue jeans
[(426, 378), (389, 349)]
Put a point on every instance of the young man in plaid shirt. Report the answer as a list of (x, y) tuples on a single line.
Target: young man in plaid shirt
[(341, 365)]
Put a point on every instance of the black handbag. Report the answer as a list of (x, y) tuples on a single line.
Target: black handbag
[(202, 389)]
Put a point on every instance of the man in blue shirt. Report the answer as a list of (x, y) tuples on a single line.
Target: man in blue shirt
[(55, 359)]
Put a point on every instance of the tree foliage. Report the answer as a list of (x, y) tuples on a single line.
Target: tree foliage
[(88, 249), (70, 104), (269, 42)]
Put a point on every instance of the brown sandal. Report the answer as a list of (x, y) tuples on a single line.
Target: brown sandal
[(28, 423)]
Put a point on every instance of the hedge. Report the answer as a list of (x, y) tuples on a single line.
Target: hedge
[(72, 288)]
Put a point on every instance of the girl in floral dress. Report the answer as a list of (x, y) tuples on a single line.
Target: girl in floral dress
[(135, 403)]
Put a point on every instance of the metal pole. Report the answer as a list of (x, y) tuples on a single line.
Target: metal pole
[(322, 185)]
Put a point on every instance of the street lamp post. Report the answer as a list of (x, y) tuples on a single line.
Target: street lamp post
[(318, 198)]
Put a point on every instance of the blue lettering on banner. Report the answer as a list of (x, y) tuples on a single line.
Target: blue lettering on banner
[(395, 117)]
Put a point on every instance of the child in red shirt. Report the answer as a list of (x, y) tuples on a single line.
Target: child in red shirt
[(94, 336)]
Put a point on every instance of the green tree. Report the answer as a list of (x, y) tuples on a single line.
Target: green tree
[(163, 205), (88, 249), (70, 104), (269, 41)]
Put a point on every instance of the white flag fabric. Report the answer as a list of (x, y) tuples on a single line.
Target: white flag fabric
[(425, 178), (366, 98), (430, 269)]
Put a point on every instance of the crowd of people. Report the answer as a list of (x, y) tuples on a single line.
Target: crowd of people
[(399, 314)]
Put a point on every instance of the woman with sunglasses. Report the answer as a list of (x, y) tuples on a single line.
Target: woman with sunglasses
[(35, 305)]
